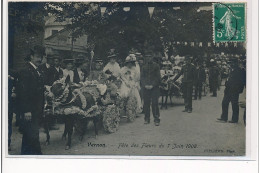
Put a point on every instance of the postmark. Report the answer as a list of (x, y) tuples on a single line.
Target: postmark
[(229, 22)]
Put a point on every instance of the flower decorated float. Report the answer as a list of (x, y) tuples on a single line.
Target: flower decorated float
[(91, 99)]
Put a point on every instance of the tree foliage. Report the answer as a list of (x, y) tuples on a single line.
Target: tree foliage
[(26, 17), (126, 29)]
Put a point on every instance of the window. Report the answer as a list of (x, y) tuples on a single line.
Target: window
[(54, 32)]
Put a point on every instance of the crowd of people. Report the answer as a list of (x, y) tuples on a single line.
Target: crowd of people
[(142, 76)]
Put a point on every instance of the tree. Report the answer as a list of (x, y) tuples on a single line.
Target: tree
[(25, 28), (125, 30)]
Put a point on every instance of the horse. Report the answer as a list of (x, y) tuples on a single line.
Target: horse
[(73, 103)]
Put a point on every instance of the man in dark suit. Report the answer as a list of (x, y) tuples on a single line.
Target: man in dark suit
[(189, 74), (233, 87), (31, 101), (199, 80), (12, 79), (150, 77), (213, 77), (45, 70), (56, 70)]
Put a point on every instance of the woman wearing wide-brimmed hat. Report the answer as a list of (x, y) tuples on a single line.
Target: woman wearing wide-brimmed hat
[(131, 77), (112, 65)]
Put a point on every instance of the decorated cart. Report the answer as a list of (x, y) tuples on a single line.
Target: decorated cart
[(91, 99)]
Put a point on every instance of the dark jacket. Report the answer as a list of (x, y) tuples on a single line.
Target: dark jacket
[(12, 87), (236, 81), (150, 75), (213, 75), (189, 73), (76, 78), (30, 92), (200, 75), (55, 75), (46, 74)]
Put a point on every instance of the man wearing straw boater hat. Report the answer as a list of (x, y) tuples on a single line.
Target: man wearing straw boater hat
[(56, 68), (69, 67), (31, 101), (53, 72)]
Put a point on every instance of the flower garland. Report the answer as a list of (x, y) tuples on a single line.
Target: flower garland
[(63, 97), (111, 118), (75, 110), (92, 90), (78, 92), (131, 107)]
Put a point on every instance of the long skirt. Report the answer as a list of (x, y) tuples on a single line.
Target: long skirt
[(138, 100)]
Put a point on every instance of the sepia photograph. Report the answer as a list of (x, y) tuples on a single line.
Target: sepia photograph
[(127, 79)]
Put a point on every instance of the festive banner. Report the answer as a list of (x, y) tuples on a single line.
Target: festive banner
[(126, 8), (226, 44), (103, 10), (150, 9)]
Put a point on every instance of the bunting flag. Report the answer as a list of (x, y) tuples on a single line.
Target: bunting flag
[(150, 9), (201, 44), (126, 8), (226, 44), (103, 10)]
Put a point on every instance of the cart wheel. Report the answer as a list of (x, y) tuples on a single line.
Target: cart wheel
[(131, 108), (111, 119)]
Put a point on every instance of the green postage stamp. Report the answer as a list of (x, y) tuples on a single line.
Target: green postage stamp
[(229, 22)]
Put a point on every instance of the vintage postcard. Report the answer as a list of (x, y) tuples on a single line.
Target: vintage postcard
[(116, 79)]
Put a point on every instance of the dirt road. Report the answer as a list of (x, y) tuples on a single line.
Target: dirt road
[(194, 134)]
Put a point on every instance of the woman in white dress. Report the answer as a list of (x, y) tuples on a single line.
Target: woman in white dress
[(131, 78), (112, 66)]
